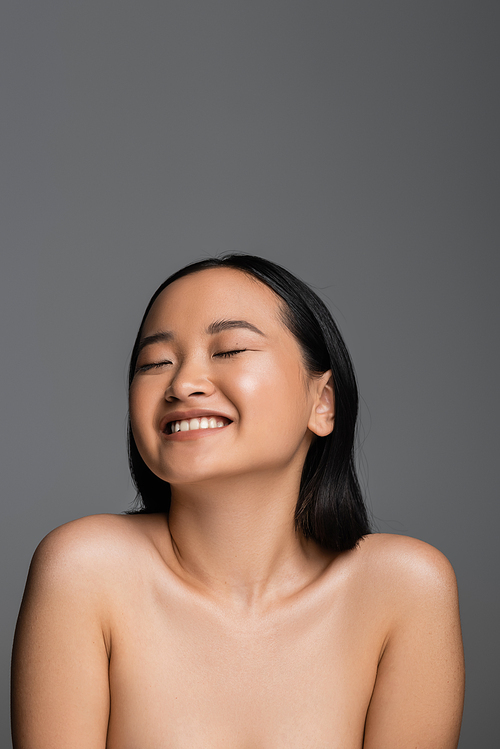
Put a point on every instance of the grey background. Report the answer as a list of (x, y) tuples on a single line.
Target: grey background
[(354, 142)]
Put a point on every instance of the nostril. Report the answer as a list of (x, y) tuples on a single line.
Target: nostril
[(183, 386)]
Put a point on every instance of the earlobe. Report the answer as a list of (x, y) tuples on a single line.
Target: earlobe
[(322, 418)]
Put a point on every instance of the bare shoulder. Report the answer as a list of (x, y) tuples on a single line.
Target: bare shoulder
[(94, 532), (85, 569), (78, 580), (418, 693), (402, 578), (91, 550), (81, 539), (403, 561)]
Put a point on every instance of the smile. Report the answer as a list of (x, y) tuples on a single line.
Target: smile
[(189, 425)]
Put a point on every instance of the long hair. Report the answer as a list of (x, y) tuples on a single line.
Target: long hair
[(330, 508)]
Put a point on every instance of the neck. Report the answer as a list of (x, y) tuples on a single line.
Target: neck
[(238, 539)]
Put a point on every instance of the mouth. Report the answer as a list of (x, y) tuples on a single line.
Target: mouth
[(191, 425)]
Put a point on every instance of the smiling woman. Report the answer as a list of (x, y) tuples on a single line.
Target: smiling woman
[(330, 507), (244, 602)]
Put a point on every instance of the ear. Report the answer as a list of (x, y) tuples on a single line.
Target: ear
[(322, 417)]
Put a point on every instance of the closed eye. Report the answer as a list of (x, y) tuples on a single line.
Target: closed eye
[(152, 365), (227, 354)]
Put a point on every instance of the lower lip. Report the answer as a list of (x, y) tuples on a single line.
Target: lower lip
[(193, 434)]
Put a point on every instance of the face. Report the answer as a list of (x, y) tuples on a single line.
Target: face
[(220, 388)]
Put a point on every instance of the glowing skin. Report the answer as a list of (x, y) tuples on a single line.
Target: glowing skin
[(220, 626), (256, 380)]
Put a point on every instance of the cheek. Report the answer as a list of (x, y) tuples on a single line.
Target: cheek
[(134, 403), (135, 419), (277, 394), (260, 385), (142, 401)]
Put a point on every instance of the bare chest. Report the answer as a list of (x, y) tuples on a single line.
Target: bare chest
[(184, 677)]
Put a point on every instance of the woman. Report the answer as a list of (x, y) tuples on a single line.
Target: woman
[(246, 604)]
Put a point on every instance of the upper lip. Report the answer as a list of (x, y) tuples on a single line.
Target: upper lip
[(196, 413)]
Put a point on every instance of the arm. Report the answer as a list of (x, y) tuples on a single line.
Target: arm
[(418, 694), (60, 693)]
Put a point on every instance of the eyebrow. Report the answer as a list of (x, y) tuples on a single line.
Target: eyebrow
[(160, 337), (218, 326)]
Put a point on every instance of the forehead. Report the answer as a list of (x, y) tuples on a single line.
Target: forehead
[(213, 294)]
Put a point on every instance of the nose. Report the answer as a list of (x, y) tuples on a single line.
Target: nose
[(189, 379)]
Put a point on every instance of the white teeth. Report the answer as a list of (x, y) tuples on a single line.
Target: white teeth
[(203, 423)]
